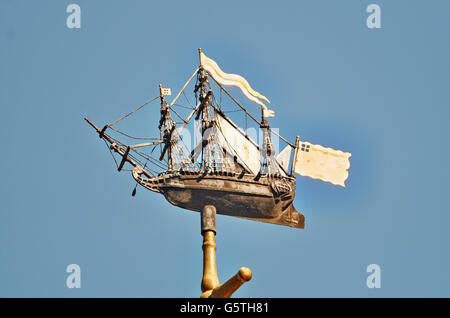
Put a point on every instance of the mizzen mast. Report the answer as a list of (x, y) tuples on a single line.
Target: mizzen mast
[(267, 144)]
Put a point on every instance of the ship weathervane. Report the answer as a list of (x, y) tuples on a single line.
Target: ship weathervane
[(226, 171)]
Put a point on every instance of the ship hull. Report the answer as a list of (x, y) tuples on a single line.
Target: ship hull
[(264, 198)]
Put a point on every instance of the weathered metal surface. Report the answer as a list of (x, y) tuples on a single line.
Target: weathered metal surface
[(266, 199), (208, 219), (210, 285)]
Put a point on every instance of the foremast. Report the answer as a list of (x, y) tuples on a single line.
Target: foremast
[(166, 128)]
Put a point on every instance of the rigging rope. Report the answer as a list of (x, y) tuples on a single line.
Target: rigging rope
[(187, 99), (117, 165), (191, 108), (148, 102), (233, 111), (132, 137), (177, 114)]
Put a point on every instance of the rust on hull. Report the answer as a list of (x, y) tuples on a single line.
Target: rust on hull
[(264, 198)]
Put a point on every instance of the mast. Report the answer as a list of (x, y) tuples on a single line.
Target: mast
[(267, 144), (206, 114), (168, 125), (267, 163), (294, 162)]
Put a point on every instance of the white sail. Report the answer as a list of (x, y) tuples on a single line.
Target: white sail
[(283, 157), (238, 144)]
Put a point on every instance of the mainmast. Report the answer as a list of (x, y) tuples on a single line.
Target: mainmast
[(208, 121), (212, 151)]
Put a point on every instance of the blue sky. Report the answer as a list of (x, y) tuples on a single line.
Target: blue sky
[(381, 94)]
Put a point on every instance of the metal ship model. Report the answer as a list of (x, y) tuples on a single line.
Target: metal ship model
[(226, 168)]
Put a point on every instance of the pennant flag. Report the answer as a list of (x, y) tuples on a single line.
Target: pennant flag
[(322, 163), (166, 91), (231, 80), (268, 112)]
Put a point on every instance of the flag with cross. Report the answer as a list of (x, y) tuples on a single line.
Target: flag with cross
[(318, 162)]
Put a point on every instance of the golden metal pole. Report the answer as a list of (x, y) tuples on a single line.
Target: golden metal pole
[(230, 286), (211, 287), (210, 279)]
